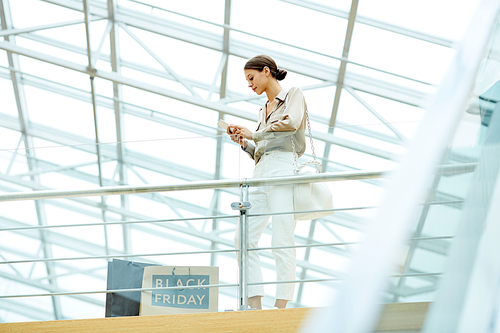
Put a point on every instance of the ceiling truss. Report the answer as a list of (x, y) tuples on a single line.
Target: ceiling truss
[(122, 20)]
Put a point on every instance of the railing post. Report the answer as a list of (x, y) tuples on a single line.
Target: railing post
[(243, 252), (243, 205)]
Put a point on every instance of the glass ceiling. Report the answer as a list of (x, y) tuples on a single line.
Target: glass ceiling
[(165, 72)]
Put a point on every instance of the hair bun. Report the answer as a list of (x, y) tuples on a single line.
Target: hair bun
[(280, 74)]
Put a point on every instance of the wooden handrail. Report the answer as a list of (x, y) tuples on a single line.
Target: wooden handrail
[(397, 316)]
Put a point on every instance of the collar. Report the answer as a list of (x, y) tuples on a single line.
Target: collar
[(281, 96)]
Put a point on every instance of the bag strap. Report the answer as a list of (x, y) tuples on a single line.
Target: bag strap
[(316, 163)]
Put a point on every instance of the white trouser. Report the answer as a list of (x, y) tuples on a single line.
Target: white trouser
[(270, 199)]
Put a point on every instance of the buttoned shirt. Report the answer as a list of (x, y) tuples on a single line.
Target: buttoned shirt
[(285, 122)]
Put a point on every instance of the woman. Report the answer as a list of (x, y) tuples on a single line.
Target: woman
[(281, 120)]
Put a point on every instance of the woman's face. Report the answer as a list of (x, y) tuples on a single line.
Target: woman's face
[(257, 81)]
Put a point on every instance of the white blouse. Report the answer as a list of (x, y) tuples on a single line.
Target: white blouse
[(285, 122)]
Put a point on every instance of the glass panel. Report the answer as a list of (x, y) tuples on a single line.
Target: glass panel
[(170, 144), (161, 46), (369, 141), (358, 160), (97, 30), (91, 234), (168, 110), (61, 181), (23, 212), (50, 50), (237, 83), (402, 116), (270, 45), (72, 308), (344, 5), (73, 35), (163, 11), (153, 79), (399, 54), (60, 112), (212, 10), (442, 220), (12, 153), (356, 72), (56, 73), (8, 105), (63, 155), (3, 59), (352, 112), (410, 15), (107, 125), (26, 13), (131, 51), (320, 101), (235, 163), (444, 213), (304, 35), (138, 176), (236, 77), (415, 289), (169, 141), (103, 87)]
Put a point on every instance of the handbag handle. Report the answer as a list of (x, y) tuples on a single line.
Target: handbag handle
[(316, 163)]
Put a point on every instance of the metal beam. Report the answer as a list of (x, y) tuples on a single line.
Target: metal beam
[(14, 32), (198, 128), (340, 77), (196, 37), (114, 77), (343, 64), (98, 52), (156, 116), (13, 60), (304, 67), (215, 41), (83, 144), (219, 145), (94, 112), (115, 59), (276, 41)]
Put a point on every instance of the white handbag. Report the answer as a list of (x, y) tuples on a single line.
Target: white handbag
[(310, 196)]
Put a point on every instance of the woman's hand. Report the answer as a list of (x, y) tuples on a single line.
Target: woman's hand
[(242, 131), (238, 134)]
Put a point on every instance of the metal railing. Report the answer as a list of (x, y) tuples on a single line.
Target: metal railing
[(203, 185), (213, 184)]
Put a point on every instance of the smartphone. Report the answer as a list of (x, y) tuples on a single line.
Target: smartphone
[(223, 124)]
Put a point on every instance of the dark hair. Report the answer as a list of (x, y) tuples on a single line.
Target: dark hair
[(261, 61)]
